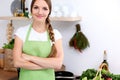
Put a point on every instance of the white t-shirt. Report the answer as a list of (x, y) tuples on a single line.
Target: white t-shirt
[(34, 35)]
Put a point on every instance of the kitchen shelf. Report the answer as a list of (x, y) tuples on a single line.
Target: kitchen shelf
[(65, 18), (51, 18), (13, 18)]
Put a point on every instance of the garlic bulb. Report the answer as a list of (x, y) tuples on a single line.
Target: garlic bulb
[(10, 30)]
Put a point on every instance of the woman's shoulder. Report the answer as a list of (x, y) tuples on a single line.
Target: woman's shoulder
[(57, 34), (23, 28), (22, 31), (56, 31)]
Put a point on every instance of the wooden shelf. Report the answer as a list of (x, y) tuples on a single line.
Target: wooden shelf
[(65, 18), (51, 18), (13, 18)]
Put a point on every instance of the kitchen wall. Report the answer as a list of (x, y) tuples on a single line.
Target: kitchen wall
[(100, 23)]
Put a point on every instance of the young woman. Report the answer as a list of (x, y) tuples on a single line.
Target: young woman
[(33, 45)]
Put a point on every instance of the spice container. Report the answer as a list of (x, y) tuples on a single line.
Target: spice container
[(18, 13)]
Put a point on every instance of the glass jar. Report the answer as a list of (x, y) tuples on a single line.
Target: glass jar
[(18, 13)]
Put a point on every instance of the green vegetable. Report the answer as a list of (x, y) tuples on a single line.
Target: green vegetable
[(79, 41), (85, 78), (89, 73), (99, 78), (103, 71), (9, 45)]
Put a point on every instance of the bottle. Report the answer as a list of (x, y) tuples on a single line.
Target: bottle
[(105, 58), (104, 64), (23, 5), (26, 13), (18, 13)]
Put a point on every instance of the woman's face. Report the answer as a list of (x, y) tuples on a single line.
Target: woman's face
[(40, 10)]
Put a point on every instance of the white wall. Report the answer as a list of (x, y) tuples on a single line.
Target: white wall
[(100, 23)]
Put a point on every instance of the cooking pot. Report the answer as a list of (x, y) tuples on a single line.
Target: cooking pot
[(64, 75)]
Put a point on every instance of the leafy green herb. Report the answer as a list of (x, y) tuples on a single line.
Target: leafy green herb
[(89, 74), (9, 45), (79, 41)]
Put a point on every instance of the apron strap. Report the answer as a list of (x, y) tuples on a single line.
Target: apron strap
[(28, 33)]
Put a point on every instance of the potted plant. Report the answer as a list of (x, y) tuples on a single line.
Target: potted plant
[(9, 45), (8, 58)]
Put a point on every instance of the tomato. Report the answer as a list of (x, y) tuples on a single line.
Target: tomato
[(109, 79)]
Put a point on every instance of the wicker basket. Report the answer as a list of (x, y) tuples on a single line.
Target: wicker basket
[(104, 66), (99, 74), (8, 61), (1, 51), (1, 60)]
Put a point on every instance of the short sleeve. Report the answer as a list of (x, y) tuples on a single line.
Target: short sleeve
[(21, 33), (57, 34)]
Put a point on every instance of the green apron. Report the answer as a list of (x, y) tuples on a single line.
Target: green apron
[(40, 49)]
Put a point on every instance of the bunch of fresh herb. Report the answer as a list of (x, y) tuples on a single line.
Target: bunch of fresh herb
[(9, 45), (89, 74), (79, 41)]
